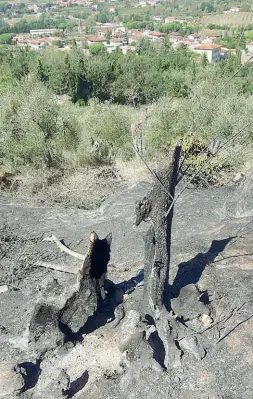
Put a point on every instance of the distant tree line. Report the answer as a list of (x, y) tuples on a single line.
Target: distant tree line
[(177, 27), (122, 79), (44, 22)]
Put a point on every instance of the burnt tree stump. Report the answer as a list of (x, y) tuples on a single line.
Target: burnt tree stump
[(91, 286), (59, 315)]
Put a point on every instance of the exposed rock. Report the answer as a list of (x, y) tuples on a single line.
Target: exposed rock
[(56, 315), (43, 330), (119, 314), (187, 304), (177, 379), (10, 380), (238, 177), (131, 331), (241, 204), (192, 345), (150, 329), (156, 366), (3, 288), (58, 387), (206, 320), (111, 374)]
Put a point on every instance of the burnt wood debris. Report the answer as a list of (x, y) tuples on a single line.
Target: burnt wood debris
[(56, 318)]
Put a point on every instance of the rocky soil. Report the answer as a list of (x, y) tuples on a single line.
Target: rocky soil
[(113, 356)]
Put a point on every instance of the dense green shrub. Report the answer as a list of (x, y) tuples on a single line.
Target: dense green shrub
[(6, 38), (34, 129)]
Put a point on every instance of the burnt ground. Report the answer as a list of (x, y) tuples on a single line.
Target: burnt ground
[(211, 275)]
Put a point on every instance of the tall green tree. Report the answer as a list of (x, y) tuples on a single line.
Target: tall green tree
[(40, 73), (203, 60), (71, 80), (108, 37)]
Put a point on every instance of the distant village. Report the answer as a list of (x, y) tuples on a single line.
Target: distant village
[(116, 37), (121, 39)]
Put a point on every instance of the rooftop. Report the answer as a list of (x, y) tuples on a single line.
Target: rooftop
[(104, 29), (214, 34), (195, 35), (32, 41), (207, 46), (96, 39), (155, 33), (170, 19), (175, 34), (136, 35)]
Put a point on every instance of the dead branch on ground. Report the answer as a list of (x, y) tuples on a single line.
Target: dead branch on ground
[(63, 247)]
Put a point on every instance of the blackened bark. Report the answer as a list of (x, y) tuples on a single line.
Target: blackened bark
[(158, 208), (58, 317), (155, 207)]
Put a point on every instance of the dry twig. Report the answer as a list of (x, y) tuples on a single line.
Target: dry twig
[(233, 328), (53, 266), (63, 247)]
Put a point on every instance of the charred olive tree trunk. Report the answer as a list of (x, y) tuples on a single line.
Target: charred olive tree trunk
[(60, 315), (158, 208)]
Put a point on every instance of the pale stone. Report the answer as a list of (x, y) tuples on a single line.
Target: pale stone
[(206, 320), (10, 381), (3, 288)]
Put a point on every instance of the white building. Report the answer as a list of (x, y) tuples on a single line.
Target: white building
[(42, 32), (169, 19), (157, 18), (212, 51), (249, 47), (195, 37), (232, 10), (92, 39), (142, 4), (175, 38), (154, 36), (34, 44), (127, 49), (111, 48)]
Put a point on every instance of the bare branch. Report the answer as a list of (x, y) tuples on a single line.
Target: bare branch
[(63, 247), (233, 328), (152, 172)]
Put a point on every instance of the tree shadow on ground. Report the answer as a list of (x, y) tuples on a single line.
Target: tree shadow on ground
[(190, 272), (30, 373), (77, 385)]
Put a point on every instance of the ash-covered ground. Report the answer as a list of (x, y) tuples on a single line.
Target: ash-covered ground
[(211, 281)]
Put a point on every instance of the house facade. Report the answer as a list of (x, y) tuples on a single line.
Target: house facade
[(95, 39), (42, 32), (169, 19), (175, 38), (195, 38), (134, 35), (212, 51), (154, 36)]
